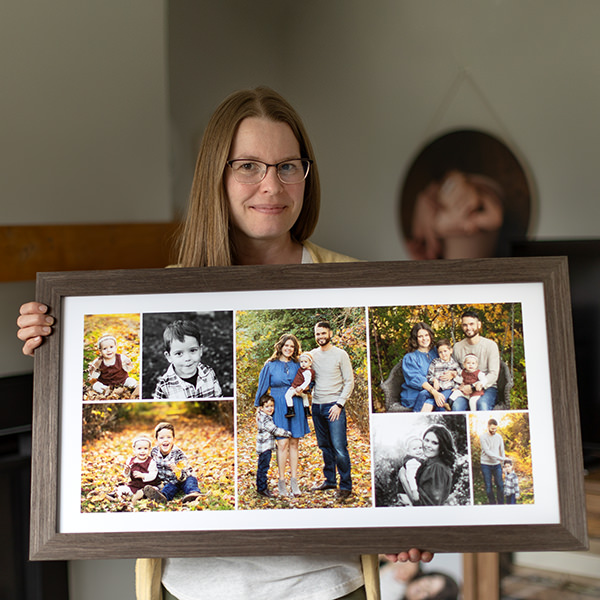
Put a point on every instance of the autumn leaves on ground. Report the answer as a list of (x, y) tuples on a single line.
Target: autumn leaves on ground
[(207, 444), (256, 334), (126, 329), (210, 448), (310, 472)]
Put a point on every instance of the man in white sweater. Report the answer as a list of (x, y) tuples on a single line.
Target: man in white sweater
[(334, 382)]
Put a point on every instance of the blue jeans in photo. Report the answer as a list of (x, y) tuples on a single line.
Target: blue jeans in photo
[(262, 470), (494, 472), (486, 402), (425, 397), (187, 486), (510, 499), (331, 437)]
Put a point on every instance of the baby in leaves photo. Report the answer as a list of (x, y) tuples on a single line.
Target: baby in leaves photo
[(111, 369), (141, 469), (173, 469), (187, 376)]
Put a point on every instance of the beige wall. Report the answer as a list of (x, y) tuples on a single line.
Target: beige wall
[(84, 123)]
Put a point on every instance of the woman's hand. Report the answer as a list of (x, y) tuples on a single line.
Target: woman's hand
[(34, 324), (413, 555)]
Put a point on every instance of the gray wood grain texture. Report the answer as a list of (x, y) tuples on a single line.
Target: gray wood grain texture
[(570, 534)]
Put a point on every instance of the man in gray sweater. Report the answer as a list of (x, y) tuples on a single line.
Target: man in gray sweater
[(488, 357), (492, 458), (334, 382)]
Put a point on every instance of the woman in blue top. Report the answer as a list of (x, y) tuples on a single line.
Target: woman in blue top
[(416, 389), (277, 376)]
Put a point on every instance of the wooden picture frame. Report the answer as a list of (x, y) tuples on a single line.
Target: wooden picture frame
[(555, 520)]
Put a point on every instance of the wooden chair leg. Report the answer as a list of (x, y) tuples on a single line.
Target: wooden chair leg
[(481, 576), (147, 579)]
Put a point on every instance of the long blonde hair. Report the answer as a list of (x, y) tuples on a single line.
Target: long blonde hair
[(205, 238)]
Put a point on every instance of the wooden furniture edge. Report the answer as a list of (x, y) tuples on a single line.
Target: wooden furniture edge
[(29, 249)]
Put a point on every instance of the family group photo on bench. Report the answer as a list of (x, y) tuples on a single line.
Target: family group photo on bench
[(448, 358)]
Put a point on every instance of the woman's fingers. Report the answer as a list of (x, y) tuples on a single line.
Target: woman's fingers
[(27, 320), (33, 323), (413, 555), (31, 344), (32, 308)]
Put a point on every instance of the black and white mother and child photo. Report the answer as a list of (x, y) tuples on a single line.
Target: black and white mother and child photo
[(324, 462), (421, 460), (441, 358), (188, 355)]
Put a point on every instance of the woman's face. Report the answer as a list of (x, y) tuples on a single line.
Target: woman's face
[(267, 210), (287, 350), (423, 339), (431, 445)]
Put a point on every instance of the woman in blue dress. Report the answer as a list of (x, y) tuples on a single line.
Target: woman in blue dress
[(277, 376), (416, 389)]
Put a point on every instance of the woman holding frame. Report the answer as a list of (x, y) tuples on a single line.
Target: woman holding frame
[(254, 200)]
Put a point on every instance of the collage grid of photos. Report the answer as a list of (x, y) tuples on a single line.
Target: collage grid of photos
[(312, 408)]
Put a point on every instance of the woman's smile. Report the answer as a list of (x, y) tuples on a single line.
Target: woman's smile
[(431, 445), (287, 349), (423, 340)]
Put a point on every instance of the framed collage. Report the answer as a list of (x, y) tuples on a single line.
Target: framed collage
[(146, 412)]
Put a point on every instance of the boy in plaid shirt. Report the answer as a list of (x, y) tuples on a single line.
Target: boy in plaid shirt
[(511, 483), (265, 442), (173, 468), (186, 376), (438, 375)]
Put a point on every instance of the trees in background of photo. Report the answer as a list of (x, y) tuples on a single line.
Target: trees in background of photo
[(514, 429), (389, 330), (257, 332)]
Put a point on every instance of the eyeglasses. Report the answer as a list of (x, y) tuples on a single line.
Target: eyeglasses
[(254, 171)]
